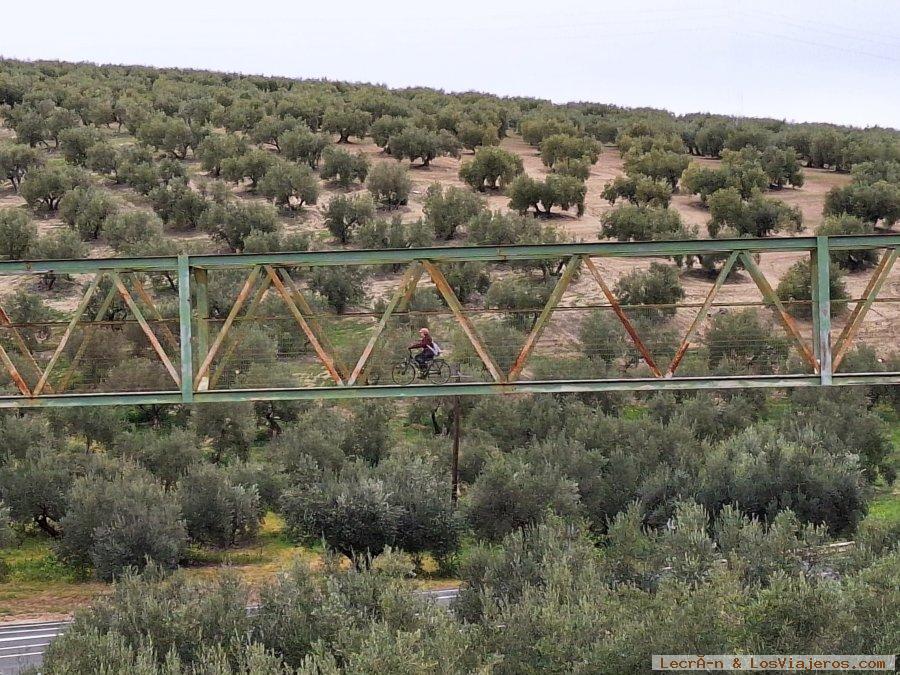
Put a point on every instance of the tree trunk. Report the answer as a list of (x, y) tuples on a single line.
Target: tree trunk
[(44, 523)]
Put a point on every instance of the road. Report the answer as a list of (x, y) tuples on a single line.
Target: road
[(22, 644)]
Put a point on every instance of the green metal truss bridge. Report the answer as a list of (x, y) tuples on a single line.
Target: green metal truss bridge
[(249, 327)]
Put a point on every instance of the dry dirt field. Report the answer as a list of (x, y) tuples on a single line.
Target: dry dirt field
[(880, 328)]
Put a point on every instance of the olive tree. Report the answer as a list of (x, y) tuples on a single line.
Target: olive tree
[(86, 209), (340, 287), (641, 223), (252, 165), (121, 522), (511, 493), (658, 164), (416, 143), (178, 205), (384, 127), (869, 202), (637, 189), (352, 511), (493, 168), (76, 142), (345, 214), (17, 233), (216, 511), (447, 210), (853, 260), (171, 135), (472, 135), (43, 187), (389, 184), (231, 222), (301, 144), (344, 167), (16, 161), (285, 181), (782, 167), (756, 217), (128, 229), (346, 122), (658, 286), (216, 148), (560, 147), (564, 191), (795, 289)]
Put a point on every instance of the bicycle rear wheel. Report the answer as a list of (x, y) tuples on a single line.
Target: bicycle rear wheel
[(439, 372), (403, 372)]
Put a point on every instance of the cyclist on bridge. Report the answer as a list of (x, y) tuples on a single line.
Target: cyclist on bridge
[(429, 349)]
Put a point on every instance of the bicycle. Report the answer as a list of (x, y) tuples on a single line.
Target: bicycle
[(404, 372)]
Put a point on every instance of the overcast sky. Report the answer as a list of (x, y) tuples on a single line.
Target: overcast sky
[(804, 60)]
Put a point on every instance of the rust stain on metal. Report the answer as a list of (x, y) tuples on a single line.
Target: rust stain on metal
[(695, 324), (623, 319), (201, 381), (855, 320), (70, 328), (558, 290), (465, 323), (142, 322), (324, 356), (787, 320)]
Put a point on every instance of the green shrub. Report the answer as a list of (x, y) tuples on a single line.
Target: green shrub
[(17, 233), (215, 510), (658, 287), (795, 289), (447, 210), (120, 522), (493, 168), (389, 184), (344, 167), (344, 215)]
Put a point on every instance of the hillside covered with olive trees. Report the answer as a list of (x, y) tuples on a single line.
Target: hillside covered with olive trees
[(592, 529)]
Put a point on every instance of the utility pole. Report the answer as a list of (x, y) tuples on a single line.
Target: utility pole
[(454, 463)]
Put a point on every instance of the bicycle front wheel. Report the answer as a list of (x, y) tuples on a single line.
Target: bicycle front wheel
[(439, 372), (403, 373)]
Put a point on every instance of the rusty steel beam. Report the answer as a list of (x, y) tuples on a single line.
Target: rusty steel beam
[(559, 289), (201, 379), (19, 340), (310, 316), (405, 290), (701, 315), (324, 356), (786, 319), (249, 315), (854, 322), (623, 319), (86, 338), (145, 327), (141, 291), (440, 282), (70, 328)]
